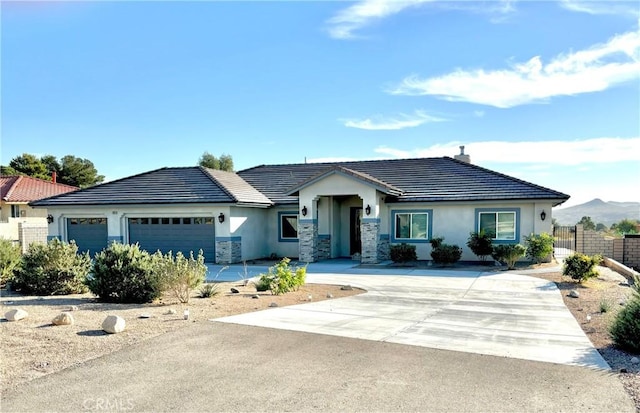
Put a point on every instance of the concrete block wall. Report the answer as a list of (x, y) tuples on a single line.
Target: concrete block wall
[(595, 243), (29, 233), (632, 251)]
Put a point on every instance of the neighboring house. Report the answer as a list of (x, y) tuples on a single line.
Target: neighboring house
[(15, 194), (311, 211)]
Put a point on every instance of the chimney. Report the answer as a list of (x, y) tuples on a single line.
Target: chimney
[(54, 177), (462, 157)]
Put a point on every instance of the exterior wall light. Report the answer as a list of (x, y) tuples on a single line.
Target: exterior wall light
[(304, 211), (49, 218), (367, 210), (543, 215), (221, 218)]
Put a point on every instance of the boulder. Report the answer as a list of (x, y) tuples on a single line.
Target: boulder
[(234, 291), (63, 319), (574, 294), (346, 288), (73, 308), (15, 314), (113, 324), (273, 304), (329, 295)]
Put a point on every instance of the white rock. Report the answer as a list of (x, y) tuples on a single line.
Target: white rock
[(73, 308), (63, 319), (635, 360), (113, 324), (574, 294), (16, 314)]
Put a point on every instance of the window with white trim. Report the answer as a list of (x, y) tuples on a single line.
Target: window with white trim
[(289, 226), (499, 225), (411, 225)]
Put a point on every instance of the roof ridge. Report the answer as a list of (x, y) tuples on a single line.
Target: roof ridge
[(207, 172)]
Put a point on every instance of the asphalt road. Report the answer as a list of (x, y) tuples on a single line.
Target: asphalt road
[(227, 367)]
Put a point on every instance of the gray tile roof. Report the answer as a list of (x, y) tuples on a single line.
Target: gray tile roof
[(161, 186), (420, 180), (337, 169), (403, 180), (237, 188)]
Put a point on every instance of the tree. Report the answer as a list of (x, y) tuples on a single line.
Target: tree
[(225, 163), (587, 223), (71, 170), (30, 165), (78, 172), (600, 227), (626, 226)]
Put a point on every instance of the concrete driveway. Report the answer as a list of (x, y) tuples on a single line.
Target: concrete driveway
[(500, 314)]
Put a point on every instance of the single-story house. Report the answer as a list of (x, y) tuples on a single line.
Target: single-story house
[(312, 211), (15, 194)]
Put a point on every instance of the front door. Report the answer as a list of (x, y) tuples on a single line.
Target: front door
[(354, 224)]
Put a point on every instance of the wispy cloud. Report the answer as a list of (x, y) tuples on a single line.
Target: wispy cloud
[(591, 70), (628, 8), (402, 121), (347, 21), (554, 152)]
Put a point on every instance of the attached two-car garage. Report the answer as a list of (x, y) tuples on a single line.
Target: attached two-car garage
[(184, 234)]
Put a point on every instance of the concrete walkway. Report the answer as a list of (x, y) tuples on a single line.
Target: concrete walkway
[(500, 314)]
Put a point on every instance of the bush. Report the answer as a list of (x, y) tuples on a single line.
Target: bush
[(123, 273), (444, 253), (52, 269), (283, 278), (208, 290), (180, 275), (10, 258), (539, 247), (508, 254), (403, 253), (625, 330), (480, 244), (263, 284), (581, 267)]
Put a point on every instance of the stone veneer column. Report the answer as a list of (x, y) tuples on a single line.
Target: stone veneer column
[(228, 251), (308, 240), (369, 235), (384, 248), (324, 247)]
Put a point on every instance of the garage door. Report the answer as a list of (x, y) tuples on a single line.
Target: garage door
[(90, 234), (174, 234)]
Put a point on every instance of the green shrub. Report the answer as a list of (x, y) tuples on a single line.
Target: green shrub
[(508, 254), (124, 273), (403, 252), (625, 330), (53, 268), (539, 247), (208, 290), (180, 275), (263, 284), (10, 259), (283, 278), (480, 244), (444, 253), (581, 267)]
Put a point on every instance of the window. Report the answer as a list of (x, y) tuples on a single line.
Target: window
[(288, 226), (15, 211), (500, 225), (411, 225)]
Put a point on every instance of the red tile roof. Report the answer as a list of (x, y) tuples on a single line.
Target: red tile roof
[(27, 189)]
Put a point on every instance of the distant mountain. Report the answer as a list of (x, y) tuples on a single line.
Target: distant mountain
[(600, 211)]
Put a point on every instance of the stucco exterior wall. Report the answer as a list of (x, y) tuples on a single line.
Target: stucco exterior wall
[(454, 222), (273, 245), (250, 226)]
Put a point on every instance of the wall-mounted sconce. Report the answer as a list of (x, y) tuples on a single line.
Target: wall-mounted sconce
[(49, 218), (221, 218), (543, 215), (367, 210), (304, 211)]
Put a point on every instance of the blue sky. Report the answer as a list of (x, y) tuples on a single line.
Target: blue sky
[(548, 92)]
